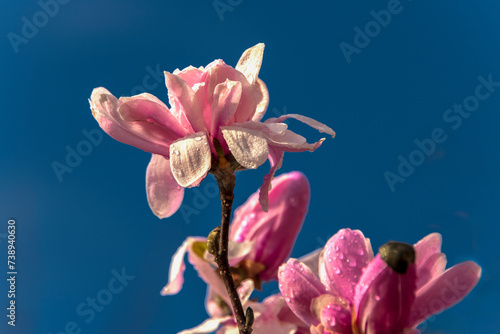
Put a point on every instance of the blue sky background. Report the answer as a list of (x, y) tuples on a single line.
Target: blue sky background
[(72, 233)]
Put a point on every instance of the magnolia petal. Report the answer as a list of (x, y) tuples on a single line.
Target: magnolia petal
[(183, 96), (176, 271), (288, 206), (345, 256), (190, 74), (208, 326), (262, 95), (227, 96), (444, 291), (432, 268), (204, 268), (275, 159), (144, 108), (299, 286), (245, 290), (218, 72), (334, 313), (426, 247), (142, 134), (278, 135), (238, 250), (190, 158), (251, 61), (207, 272), (309, 121), (248, 147), (384, 305), (311, 260), (164, 193), (212, 304)]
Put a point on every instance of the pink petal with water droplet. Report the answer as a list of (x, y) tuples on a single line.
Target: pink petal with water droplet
[(248, 147), (384, 299), (299, 286), (345, 255), (190, 158), (273, 233)]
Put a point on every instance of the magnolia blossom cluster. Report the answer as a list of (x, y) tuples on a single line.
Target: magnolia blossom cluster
[(214, 120), (340, 289)]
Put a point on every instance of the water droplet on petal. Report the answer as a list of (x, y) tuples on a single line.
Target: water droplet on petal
[(361, 252), (341, 256), (197, 138), (352, 262), (377, 298), (338, 271)]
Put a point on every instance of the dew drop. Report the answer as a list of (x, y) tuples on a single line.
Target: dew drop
[(176, 152), (197, 138), (288, 300), (341, 256), (377, 298), (337, 248), (338, 271), (361, 252), (352, 262)]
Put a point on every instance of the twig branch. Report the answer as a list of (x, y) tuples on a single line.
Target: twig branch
[(226, 181)]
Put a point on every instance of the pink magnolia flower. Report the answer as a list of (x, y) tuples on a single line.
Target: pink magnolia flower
[(217, 102), (259, 242), (271, 316), (357, 293)]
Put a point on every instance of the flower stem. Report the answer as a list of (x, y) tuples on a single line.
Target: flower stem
[(226, 180)]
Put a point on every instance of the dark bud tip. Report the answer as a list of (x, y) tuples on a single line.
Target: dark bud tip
[(397, 255), (213, 241), (249, 318)]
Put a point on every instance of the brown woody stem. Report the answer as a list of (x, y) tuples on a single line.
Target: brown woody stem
[(226, 180)]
